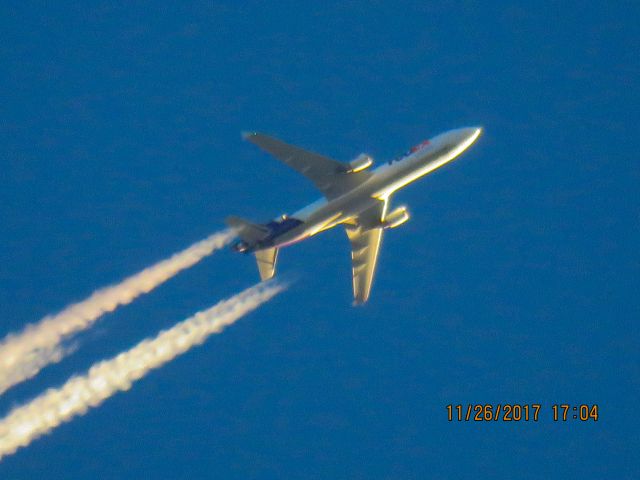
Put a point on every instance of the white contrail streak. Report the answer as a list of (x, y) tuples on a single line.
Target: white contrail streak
[(55, 406), (24, 354)]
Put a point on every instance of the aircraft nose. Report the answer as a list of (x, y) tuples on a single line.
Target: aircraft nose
[(466, 136), (462, 137), (471, 133)]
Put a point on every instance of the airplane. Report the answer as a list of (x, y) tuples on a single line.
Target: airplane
[(355, 196)]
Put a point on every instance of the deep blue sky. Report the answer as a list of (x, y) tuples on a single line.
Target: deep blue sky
[(516, 280)]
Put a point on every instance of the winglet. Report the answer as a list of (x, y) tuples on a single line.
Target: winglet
[(246, 135)]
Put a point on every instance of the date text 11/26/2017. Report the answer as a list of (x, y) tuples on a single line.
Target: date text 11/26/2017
[(515, 412)]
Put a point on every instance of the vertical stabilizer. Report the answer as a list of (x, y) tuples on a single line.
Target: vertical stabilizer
[(267, 262)]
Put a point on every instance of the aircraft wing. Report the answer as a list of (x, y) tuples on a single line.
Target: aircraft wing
[(365, 244), (328, 175), (364, 256)]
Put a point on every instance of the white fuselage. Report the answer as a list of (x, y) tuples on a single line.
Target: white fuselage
[(386, 179)]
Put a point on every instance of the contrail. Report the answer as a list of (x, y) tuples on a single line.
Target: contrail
[(55, 406), (24, 354)]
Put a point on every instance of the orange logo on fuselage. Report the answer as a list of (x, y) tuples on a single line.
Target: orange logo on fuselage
[(420, 146)]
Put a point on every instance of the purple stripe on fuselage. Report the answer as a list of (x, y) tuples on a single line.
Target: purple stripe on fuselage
[(277, 228)]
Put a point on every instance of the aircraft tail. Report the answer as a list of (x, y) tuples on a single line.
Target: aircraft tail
[(251, 234), (267, 262)]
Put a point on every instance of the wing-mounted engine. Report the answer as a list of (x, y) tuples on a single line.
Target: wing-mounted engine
[(361, 162), (396, 218)]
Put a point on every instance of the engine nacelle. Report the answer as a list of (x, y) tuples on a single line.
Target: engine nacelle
[(396, 218), (360, 163)]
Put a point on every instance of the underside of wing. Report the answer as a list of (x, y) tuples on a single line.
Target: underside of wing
[(364, 255), (328, 175), (365, 235)]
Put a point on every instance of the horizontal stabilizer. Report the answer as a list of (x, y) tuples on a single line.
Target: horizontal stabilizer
[(247, 231), (267, 262)]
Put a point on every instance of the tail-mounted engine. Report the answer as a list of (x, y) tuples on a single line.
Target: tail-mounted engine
[(361, 162), (396, 218)]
